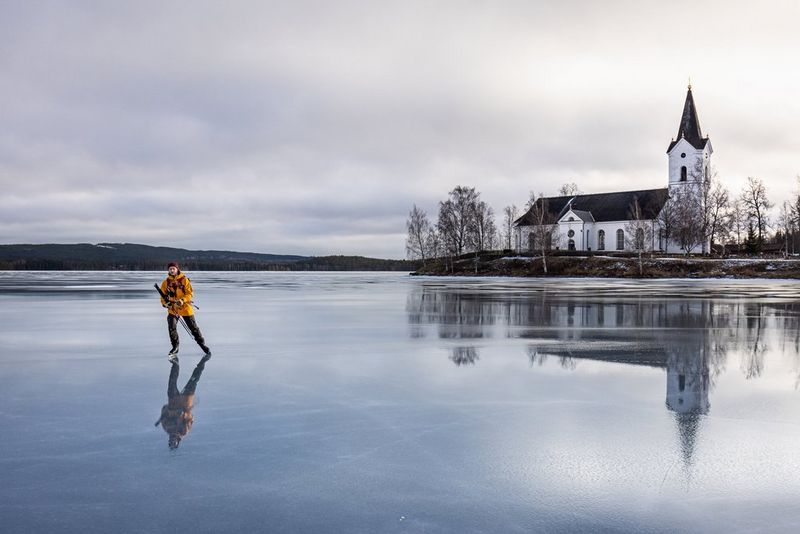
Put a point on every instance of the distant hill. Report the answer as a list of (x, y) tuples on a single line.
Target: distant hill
[(130, 256)]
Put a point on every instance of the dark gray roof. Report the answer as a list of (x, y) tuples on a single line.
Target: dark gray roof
[(689, 127), (584, 215), (604, 206)]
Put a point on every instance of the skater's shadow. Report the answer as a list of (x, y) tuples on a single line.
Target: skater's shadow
[(176, 416)]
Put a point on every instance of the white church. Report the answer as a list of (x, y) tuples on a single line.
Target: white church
[(600, 221)]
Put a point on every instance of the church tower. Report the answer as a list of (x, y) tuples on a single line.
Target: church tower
[(689, 153)]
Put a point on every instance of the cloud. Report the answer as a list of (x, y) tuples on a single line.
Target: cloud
[(312, 127)]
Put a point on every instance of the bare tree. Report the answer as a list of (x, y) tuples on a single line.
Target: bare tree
[(543, 231), (568, 190), (455, 218), (717, 220), (737, 221), (754, 200), (666, 221), (686, 217), (433, 244), (509, 216), (482, 230), (419, 229), (795, 212), (639, 232), (785, 222)]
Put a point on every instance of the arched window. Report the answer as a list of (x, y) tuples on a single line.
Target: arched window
[(639, 239), (531, 241), (620, 240), (601, 240), (683, 173)]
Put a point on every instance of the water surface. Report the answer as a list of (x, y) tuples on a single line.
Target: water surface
[(386, 403)]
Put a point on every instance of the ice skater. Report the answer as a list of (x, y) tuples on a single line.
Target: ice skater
[(176, 296), (176, 415)]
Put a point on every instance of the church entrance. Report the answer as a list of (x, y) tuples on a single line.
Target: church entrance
[(571, 244)]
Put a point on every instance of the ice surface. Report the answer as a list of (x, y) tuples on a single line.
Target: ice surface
[(386, 403)]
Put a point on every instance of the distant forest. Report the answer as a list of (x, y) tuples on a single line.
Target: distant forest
[(133, 257)]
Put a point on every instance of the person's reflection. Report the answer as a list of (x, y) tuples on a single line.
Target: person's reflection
[(176, 416)]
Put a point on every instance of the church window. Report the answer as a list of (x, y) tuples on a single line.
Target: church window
[(571, 233), (683, 154), (639, 239), (683, 173), (620, 240), (601, 240)]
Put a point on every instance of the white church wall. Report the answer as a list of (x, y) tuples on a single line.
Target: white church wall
[(691, 161), (591, 241)]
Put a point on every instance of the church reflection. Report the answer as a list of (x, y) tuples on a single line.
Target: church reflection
[(689, 339)]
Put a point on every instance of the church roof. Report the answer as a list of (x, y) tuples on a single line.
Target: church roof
[(603, 207), (585, 216), (689, 127)]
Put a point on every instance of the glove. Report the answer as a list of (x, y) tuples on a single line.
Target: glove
[(180, 302)]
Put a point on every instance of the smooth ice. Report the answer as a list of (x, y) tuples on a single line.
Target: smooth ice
[(387, 403)]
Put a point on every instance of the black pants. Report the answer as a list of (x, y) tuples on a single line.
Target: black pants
[(172, 325), (191, 385)]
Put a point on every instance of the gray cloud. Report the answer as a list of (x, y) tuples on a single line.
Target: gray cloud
[(312, 127)]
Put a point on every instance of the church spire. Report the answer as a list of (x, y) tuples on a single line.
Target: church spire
[(689, 128)]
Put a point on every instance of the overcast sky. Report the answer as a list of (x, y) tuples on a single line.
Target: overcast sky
[(313, 127)]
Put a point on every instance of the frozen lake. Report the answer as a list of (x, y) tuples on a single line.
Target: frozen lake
[(355, 402)]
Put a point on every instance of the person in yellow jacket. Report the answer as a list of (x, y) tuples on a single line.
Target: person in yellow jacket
[(178, 289)]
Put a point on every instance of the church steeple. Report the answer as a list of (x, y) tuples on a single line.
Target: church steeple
[(689, 127)]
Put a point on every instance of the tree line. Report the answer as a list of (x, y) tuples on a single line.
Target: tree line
[(698, 213), (322, 263), (465, 224)]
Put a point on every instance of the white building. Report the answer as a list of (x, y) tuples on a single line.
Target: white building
[(603, 221)]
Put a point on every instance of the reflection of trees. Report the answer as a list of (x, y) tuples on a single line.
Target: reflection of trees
[(539, 358), (536, 358), (689, 338), (622, 328), (464, 356), (457, 315), (788, 319), (752, 364)]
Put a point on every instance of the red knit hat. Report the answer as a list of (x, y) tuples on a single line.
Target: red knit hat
[(173, 264)]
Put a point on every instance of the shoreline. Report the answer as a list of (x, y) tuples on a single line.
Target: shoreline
[(608, 266)]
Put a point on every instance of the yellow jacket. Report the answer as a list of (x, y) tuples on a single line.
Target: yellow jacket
[(178, 288)]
